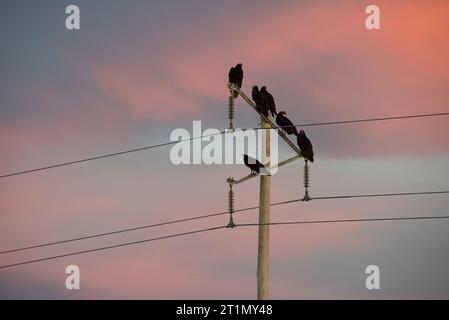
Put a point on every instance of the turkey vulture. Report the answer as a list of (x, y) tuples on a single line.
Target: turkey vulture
[(257, 97), (285, 123), (253, 164), (236, 77), (268, 100), (305, 145)]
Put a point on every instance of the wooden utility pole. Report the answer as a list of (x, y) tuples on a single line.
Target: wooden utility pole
[(265, 182), (264, 218)]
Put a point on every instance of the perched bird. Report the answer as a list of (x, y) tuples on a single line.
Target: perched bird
[(253, 164), (305, 146), (268, 100), (236, 77), (257, 97), (285, 123)]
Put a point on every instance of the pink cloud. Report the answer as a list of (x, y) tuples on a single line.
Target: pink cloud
[(145, 95), (353, 72), (66, 128), (216, 264)]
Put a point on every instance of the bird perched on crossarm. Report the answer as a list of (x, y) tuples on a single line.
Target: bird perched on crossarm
[(258, 100), (285, 124), (268, 100), (253, 164), (305, 146), (236, 77)]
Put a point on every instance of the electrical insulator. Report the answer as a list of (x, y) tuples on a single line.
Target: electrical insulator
[(231, 111), (231, 223), (306, 175), (306, 182)]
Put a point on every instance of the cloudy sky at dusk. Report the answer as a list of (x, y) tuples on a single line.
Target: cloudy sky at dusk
[(138, 69)]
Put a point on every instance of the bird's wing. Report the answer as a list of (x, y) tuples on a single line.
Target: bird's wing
[(301, 144), (240, 79), (309, 144), (231, 74), (252, 160), (283, 121), (288, 122), (271, 99)]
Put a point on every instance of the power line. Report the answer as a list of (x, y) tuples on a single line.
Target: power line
[(343, 221), (424, 115), (112, 232), (110, 155), (374, 119), (222, 227), (111, 247), (220, 214), (376, 195), (125, 230)]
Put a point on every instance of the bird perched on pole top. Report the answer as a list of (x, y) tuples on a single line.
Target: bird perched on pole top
[(285, 124), (257, 97), (253, 164), (268, 100), (236, 77), (305, 146)]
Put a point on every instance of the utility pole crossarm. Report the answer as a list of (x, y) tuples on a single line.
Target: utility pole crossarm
[(252, 175), (252, 105)]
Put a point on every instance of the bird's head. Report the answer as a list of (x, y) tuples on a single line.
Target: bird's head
[(255, 88), (239, 65), (264, 88), (282, 113), (301, 132)]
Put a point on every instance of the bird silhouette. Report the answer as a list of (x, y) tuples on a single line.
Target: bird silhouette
[(305, 146), (285, 123), (258, 100), (236, 77), (268, 100), (252, 163)]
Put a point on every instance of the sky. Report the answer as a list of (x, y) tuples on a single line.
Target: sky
[(137, 70)]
